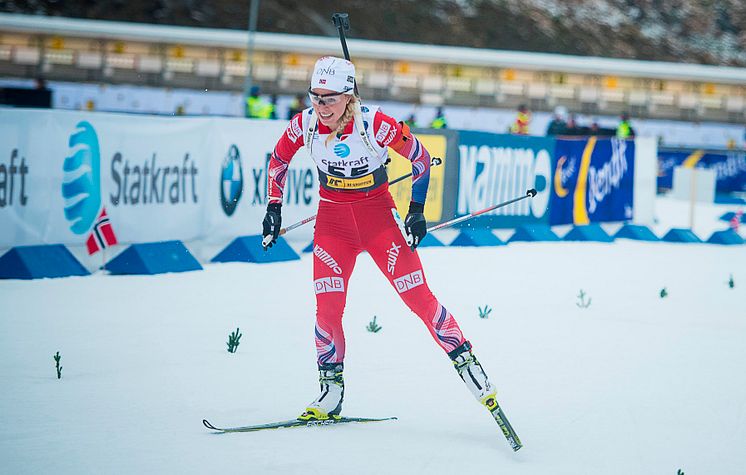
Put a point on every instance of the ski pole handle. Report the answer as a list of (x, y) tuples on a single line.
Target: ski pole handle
[(342, 22), (529, 194), (434, 162)]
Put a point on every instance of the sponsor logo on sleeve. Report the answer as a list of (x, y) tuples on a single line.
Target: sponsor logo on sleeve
[(409, 281), (381, 135), (328, 284), (294, 131)]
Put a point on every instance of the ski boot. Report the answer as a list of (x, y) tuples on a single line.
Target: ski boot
[(329, 403), (472, 373)]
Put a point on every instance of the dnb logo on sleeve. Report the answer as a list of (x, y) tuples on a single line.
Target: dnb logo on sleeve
[(231, 181), (81, 184)]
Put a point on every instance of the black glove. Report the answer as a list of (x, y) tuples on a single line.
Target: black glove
[(415, 224), (271, 225)]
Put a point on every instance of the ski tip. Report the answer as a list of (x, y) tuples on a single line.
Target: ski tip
[(207, 424)]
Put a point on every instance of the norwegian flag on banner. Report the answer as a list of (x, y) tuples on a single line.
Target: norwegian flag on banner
[(102, 234)]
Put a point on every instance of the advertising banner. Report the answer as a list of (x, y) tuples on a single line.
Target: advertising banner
[(495, 168), (436, 145), (157, 178), (593, 181), (729, 167), (237, 181)]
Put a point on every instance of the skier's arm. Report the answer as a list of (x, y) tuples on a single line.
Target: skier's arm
[(390, 133), (289, 143)]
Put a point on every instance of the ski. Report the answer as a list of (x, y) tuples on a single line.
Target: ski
[(508, 431), (294, 423)]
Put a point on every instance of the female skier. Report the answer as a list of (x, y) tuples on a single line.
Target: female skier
[(348, 142)]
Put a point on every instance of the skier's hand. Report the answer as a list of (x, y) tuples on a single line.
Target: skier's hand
[(415, 224), (271, 225)]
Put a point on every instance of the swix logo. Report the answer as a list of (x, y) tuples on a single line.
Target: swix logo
[(329, 284), (408, 281), (326, 259), (326, 71), (393, 256)]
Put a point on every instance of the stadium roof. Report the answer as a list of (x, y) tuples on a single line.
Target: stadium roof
[(370, 49)]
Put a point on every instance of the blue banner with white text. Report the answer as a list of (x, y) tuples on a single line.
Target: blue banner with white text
[(593, 181), (729, 166), (498, 167)]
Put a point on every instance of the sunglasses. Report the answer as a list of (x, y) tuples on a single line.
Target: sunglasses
[(325, 99)]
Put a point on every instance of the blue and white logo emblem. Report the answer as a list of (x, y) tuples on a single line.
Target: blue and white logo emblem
[(81, 183), (341, 150), (231, 181)]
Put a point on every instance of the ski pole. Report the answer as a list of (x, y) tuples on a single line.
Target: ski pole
[(529, 194), (435, 161)]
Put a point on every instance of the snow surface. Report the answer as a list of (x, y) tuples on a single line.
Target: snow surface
[(633, 384)]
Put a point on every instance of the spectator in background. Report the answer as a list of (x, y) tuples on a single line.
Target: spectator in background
[(439, 122), (572, 127), (273, 103), (411, 121), (558, 126), (595, 128), (522, 121), (256, 107), (40, 84), (297, 105), (624, 130)]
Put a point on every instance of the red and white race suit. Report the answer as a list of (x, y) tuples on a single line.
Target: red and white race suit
[(357, 213)]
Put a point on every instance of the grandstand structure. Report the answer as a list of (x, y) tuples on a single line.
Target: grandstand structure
[(94, 51)]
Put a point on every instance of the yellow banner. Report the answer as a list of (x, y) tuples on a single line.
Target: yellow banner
[(402, 191)]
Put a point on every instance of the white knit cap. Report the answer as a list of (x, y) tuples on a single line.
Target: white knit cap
[(335, 74)]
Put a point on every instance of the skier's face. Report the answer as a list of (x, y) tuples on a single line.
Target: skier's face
[(329, 105)]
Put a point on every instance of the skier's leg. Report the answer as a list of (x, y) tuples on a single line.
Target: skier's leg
[(334, 258), (333, 262), (404, 270)]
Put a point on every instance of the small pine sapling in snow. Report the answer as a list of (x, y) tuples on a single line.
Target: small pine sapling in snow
[(234, 340), (731, 284), (57, 359), (663, 293), (484, 312), (582, 303), (373, 327)]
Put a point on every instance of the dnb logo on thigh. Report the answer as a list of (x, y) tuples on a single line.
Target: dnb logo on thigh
[(328, 284), (409, 281)]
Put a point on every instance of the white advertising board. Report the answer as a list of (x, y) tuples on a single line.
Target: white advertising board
[(192, 179)]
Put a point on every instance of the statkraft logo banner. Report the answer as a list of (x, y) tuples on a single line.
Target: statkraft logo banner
[(729, 166), (192, 179), (496, 167), (593, 181)]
